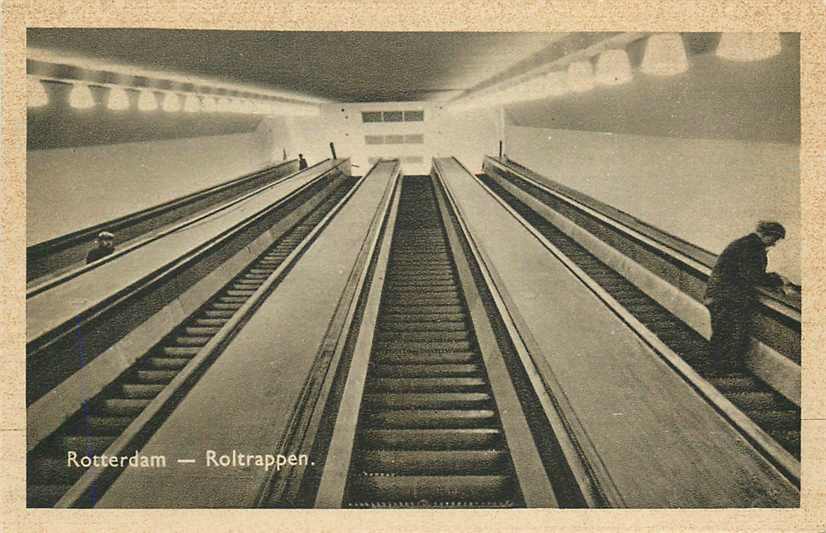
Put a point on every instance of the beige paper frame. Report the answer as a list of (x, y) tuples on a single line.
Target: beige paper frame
[(805, 16)]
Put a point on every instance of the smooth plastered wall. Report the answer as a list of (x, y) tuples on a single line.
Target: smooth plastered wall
[(707, 191), (72, 188)]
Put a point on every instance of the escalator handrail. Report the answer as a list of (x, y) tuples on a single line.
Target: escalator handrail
[(85, 234), (686, 253), (34, 345), (141, 242)]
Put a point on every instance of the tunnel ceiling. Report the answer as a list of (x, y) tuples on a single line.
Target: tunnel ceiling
[(338, 66)]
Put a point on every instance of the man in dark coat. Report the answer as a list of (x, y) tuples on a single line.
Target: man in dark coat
[(302, 163), (105, 246), (731, 293)]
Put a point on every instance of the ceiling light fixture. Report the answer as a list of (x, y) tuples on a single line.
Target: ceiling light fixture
[(147, 101), (192, 104), (613, 67), (580, 76), (118, 99), (171, 103), (664, 55), (209, 105)]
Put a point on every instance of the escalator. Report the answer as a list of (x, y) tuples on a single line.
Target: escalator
[(104, 418), (429, 432), (772, 412)]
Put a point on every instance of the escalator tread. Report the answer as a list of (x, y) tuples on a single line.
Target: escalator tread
[(429, 433)]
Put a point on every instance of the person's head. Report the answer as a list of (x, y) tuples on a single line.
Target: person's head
[(106, 239), (770, 232), (301, 156)]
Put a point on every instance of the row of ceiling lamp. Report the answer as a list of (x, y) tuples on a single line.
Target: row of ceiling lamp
[(664, 55), (80, 97)]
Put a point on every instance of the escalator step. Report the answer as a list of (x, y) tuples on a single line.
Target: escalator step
[(140, 390), (752, 400), (155, 376), (421, 324), (426, 384), (443, 400), (425, 340), (400, 371), (87, 444), (52, 470), (433, 462), (432, 488), (166, 363), (181, 351), (431, 418), (123, 406), (432, 439), (201, 330), (427, 358)]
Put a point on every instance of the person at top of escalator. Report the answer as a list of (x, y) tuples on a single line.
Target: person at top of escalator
[(302, 163), (105, 246), (731, 293)]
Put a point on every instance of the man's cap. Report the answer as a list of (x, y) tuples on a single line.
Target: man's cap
[(767, 227), (106, 235)]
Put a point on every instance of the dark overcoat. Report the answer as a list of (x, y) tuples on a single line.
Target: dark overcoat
[(739, 270)]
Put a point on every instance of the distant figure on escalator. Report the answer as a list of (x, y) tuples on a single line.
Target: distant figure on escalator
[(302, 163), (731, 293), (105, 246)]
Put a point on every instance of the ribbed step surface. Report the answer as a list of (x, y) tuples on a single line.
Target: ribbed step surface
[(95, 427), (429, 433), (768, 409)]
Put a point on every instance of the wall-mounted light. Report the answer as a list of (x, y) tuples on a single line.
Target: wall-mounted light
[(580, 76), (171, 103), (81, 97), (36, 95), (147, 101), (613, 67), (664, 55), (748, 46), (192, 104), (118, 99)]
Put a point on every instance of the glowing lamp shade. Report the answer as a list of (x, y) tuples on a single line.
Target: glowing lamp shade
[(664, 55), (147, 101), (171, 103), (118, 99), (81, 97), (748, 46), (580, 76), (209, 104), (192, 104), (613, 67), (36, 96)]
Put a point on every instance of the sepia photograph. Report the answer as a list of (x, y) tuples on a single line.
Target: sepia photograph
[(393, 270)]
